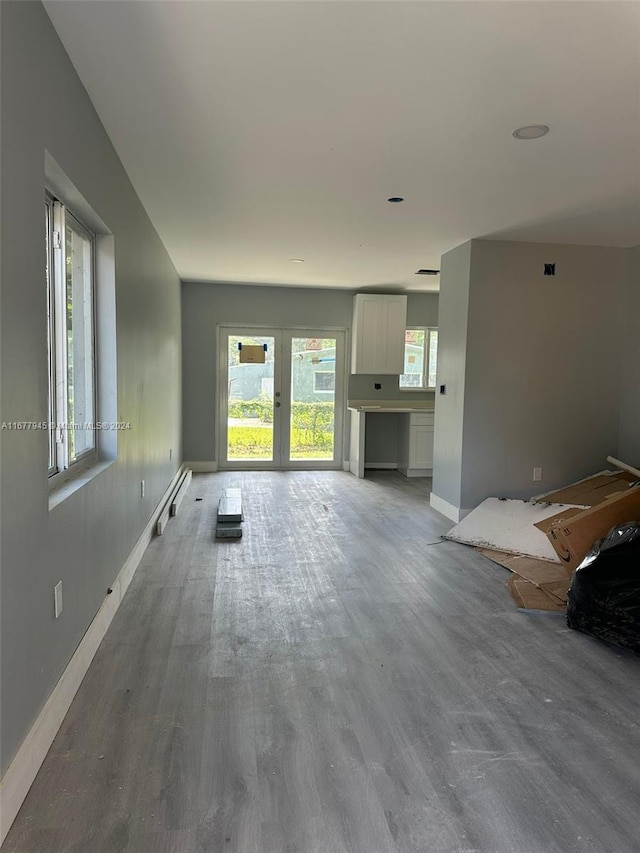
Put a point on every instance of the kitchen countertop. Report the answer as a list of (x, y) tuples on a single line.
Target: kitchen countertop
[(391, 405)]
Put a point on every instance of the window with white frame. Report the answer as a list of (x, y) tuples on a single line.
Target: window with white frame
[(420, 359), (70, 265)]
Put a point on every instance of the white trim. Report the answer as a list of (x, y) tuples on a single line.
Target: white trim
[(346, 465), (356, 443), (449, 510), (22, 771), (202, 467)]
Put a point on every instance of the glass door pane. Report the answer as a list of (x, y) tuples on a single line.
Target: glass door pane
[(313, 392), (250, 410)]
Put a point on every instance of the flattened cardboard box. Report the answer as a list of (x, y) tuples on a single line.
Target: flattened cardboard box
[(527, 596), (573, 538), (558, 519), (533, 578), (537, 572), (592, 491)]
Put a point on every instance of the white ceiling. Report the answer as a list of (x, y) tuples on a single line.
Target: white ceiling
[(257, 132)]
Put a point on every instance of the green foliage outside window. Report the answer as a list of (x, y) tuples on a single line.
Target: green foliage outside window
[(311, 429)]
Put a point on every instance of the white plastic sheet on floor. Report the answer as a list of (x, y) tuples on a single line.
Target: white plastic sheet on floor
[(507, 525)]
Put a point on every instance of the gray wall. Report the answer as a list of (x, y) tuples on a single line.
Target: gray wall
[(452, 348), (629, 446), (205, 305), (85, 540), (542, 367)]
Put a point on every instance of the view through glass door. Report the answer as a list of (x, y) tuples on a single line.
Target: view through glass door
[(281, 398)]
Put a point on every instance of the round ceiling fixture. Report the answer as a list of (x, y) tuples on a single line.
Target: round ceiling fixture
[(296, 260), (395, 199), (531, 131)]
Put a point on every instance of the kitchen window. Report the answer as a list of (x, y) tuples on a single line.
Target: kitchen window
[(420, 359)]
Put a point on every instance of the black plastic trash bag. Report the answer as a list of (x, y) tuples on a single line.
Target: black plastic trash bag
[(604, 597)]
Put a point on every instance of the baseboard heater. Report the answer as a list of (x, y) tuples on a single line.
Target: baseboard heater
[(173, 502)]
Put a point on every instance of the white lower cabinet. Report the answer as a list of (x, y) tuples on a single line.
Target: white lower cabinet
[(415, 445)]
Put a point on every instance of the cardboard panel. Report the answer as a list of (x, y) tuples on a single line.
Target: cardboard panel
[(553, 578), (592, 491), (252, 354), (573, 539), (527, 596), (558, 519)]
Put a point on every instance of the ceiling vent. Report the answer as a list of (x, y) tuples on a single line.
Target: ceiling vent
[(428, 272)]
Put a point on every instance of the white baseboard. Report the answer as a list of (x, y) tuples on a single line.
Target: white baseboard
[(381, 465), (202, 467), (453, 512), (22, 771)]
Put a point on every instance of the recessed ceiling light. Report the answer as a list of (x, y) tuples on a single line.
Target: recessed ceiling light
[(531, 131), (296, 260), (396, 199)]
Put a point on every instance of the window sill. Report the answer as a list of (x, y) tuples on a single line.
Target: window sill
[(414, 390), (59, 494)]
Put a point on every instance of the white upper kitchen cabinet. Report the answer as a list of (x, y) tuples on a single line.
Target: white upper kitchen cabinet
[(377, 334)]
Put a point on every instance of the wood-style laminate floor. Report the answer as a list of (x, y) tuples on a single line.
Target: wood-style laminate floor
[(339, 680)]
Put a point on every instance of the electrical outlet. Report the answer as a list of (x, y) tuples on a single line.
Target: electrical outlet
[(57, 599), (537, 475), (141, 488)]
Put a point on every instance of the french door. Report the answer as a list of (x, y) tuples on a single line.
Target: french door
[(281, 398)]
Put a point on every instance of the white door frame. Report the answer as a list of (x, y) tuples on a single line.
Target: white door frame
[(282, 382)]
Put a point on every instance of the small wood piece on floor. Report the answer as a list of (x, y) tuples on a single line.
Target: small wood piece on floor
[(229, 520), (228, 530), (230, 505)]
